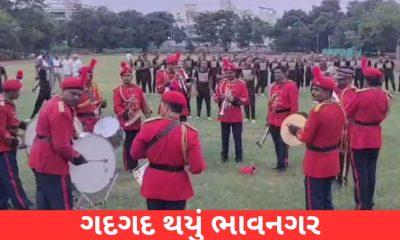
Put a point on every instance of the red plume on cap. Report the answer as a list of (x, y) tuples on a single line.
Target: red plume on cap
[(125, 68), (317, 73), (227, 65), (364, 63), (83, 74), (20, 75), (92, 64)]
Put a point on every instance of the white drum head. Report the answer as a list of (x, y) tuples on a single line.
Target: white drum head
[(106, 127), (30, 133), (98, 173)]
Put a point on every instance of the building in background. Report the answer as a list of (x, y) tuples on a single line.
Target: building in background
[(62, 10)]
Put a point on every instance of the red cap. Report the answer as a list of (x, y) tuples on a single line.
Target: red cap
[(247, 170), (324, 82), (174, 97), (125, 68), (369, 71), (20, 75), (227, 65), (91, 66), (72, 83), (173, 58), (12, 85)]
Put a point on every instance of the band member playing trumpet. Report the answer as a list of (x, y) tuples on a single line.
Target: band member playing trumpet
[(88, 109), (283, 101), (346, 93), (368, 110), (321, 136), (52, 148), (10, 183), (169, 146), (231, 95), (174, 78), (129, 104)]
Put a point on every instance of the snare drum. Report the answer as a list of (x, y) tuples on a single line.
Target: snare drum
[(95, 175), (110, 129)]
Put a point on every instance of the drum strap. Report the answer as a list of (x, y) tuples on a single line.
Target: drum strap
[(163, 133)]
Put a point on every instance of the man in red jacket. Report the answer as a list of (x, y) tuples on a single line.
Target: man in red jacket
[(10, 183), (368, 110), (52, 148), (345, 92), (129, 104), (173, 78), (283, 101), (170, 146), (321, 136), (231, 94)]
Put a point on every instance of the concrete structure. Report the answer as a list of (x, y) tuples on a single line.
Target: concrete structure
[(62, 10)]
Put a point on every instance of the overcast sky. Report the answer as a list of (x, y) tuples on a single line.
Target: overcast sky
[(178, 5)]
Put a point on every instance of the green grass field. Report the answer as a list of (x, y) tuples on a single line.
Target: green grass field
[(221, 186)]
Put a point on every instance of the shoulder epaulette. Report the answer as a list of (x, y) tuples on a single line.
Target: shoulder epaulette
[(117, 87), (318, 107), (291, 81), (152, 119), (362, 90), (61, 107), (189, 126)]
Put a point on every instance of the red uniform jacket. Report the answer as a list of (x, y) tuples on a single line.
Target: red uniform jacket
[(233, 113), (166, 81), (369, 108), (283, 101), (346, 96), (128, 97), (55, 125), (163, 185), (321, 131), (88, 108), (8, 124)]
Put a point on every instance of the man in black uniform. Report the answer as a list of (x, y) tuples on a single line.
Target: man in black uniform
[(44, 88), (388, 71), (215, 69), (262, 75), (138, 65), (202, 78), (3, 77), (145, 73)]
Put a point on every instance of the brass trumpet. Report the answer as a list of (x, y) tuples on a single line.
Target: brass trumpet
[(225, 103)]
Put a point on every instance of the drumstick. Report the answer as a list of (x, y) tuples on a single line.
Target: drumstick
[(100, 160)]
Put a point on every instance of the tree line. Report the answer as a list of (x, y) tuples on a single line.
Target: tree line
[(372, 25)]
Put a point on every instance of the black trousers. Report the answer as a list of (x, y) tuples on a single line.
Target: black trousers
[(10, 183), (308, 76), (262, 81), (155, 204), (318, 193), (272, 77), (237, 129), (138, 76), (129, 162), (44, 95), (213, 75), (250, 109), (292, 75), (203, 93), (281, 149), (145, 79), (53, 192), (342, 174), (300, 78), (389, 76), (364, 170), (153, 86), (358, 78)]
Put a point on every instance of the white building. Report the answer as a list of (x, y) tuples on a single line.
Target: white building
[(62, 10)]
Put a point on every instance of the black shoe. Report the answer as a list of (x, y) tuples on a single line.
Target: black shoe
[(239, 160), (224, 159)]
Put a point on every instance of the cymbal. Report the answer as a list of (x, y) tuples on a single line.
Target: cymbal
[(294, 119)]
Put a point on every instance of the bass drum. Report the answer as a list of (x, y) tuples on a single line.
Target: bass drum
[(30, 132), (110, 129), (95, 175)]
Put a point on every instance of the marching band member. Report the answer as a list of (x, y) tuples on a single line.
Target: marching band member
[(388, 70), (274, 64), (10, 183), (215, 69), (202, 77), (129, 104), (88, 109), (249, 75), (358, 75), (299, 73), (321, 136), (145, 73), (283, 101), (308, 73), (52, 148), (158, 64), (262, 75), (346, 92), (369, 108), (174, 78), (231, 95), (169, 146)]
